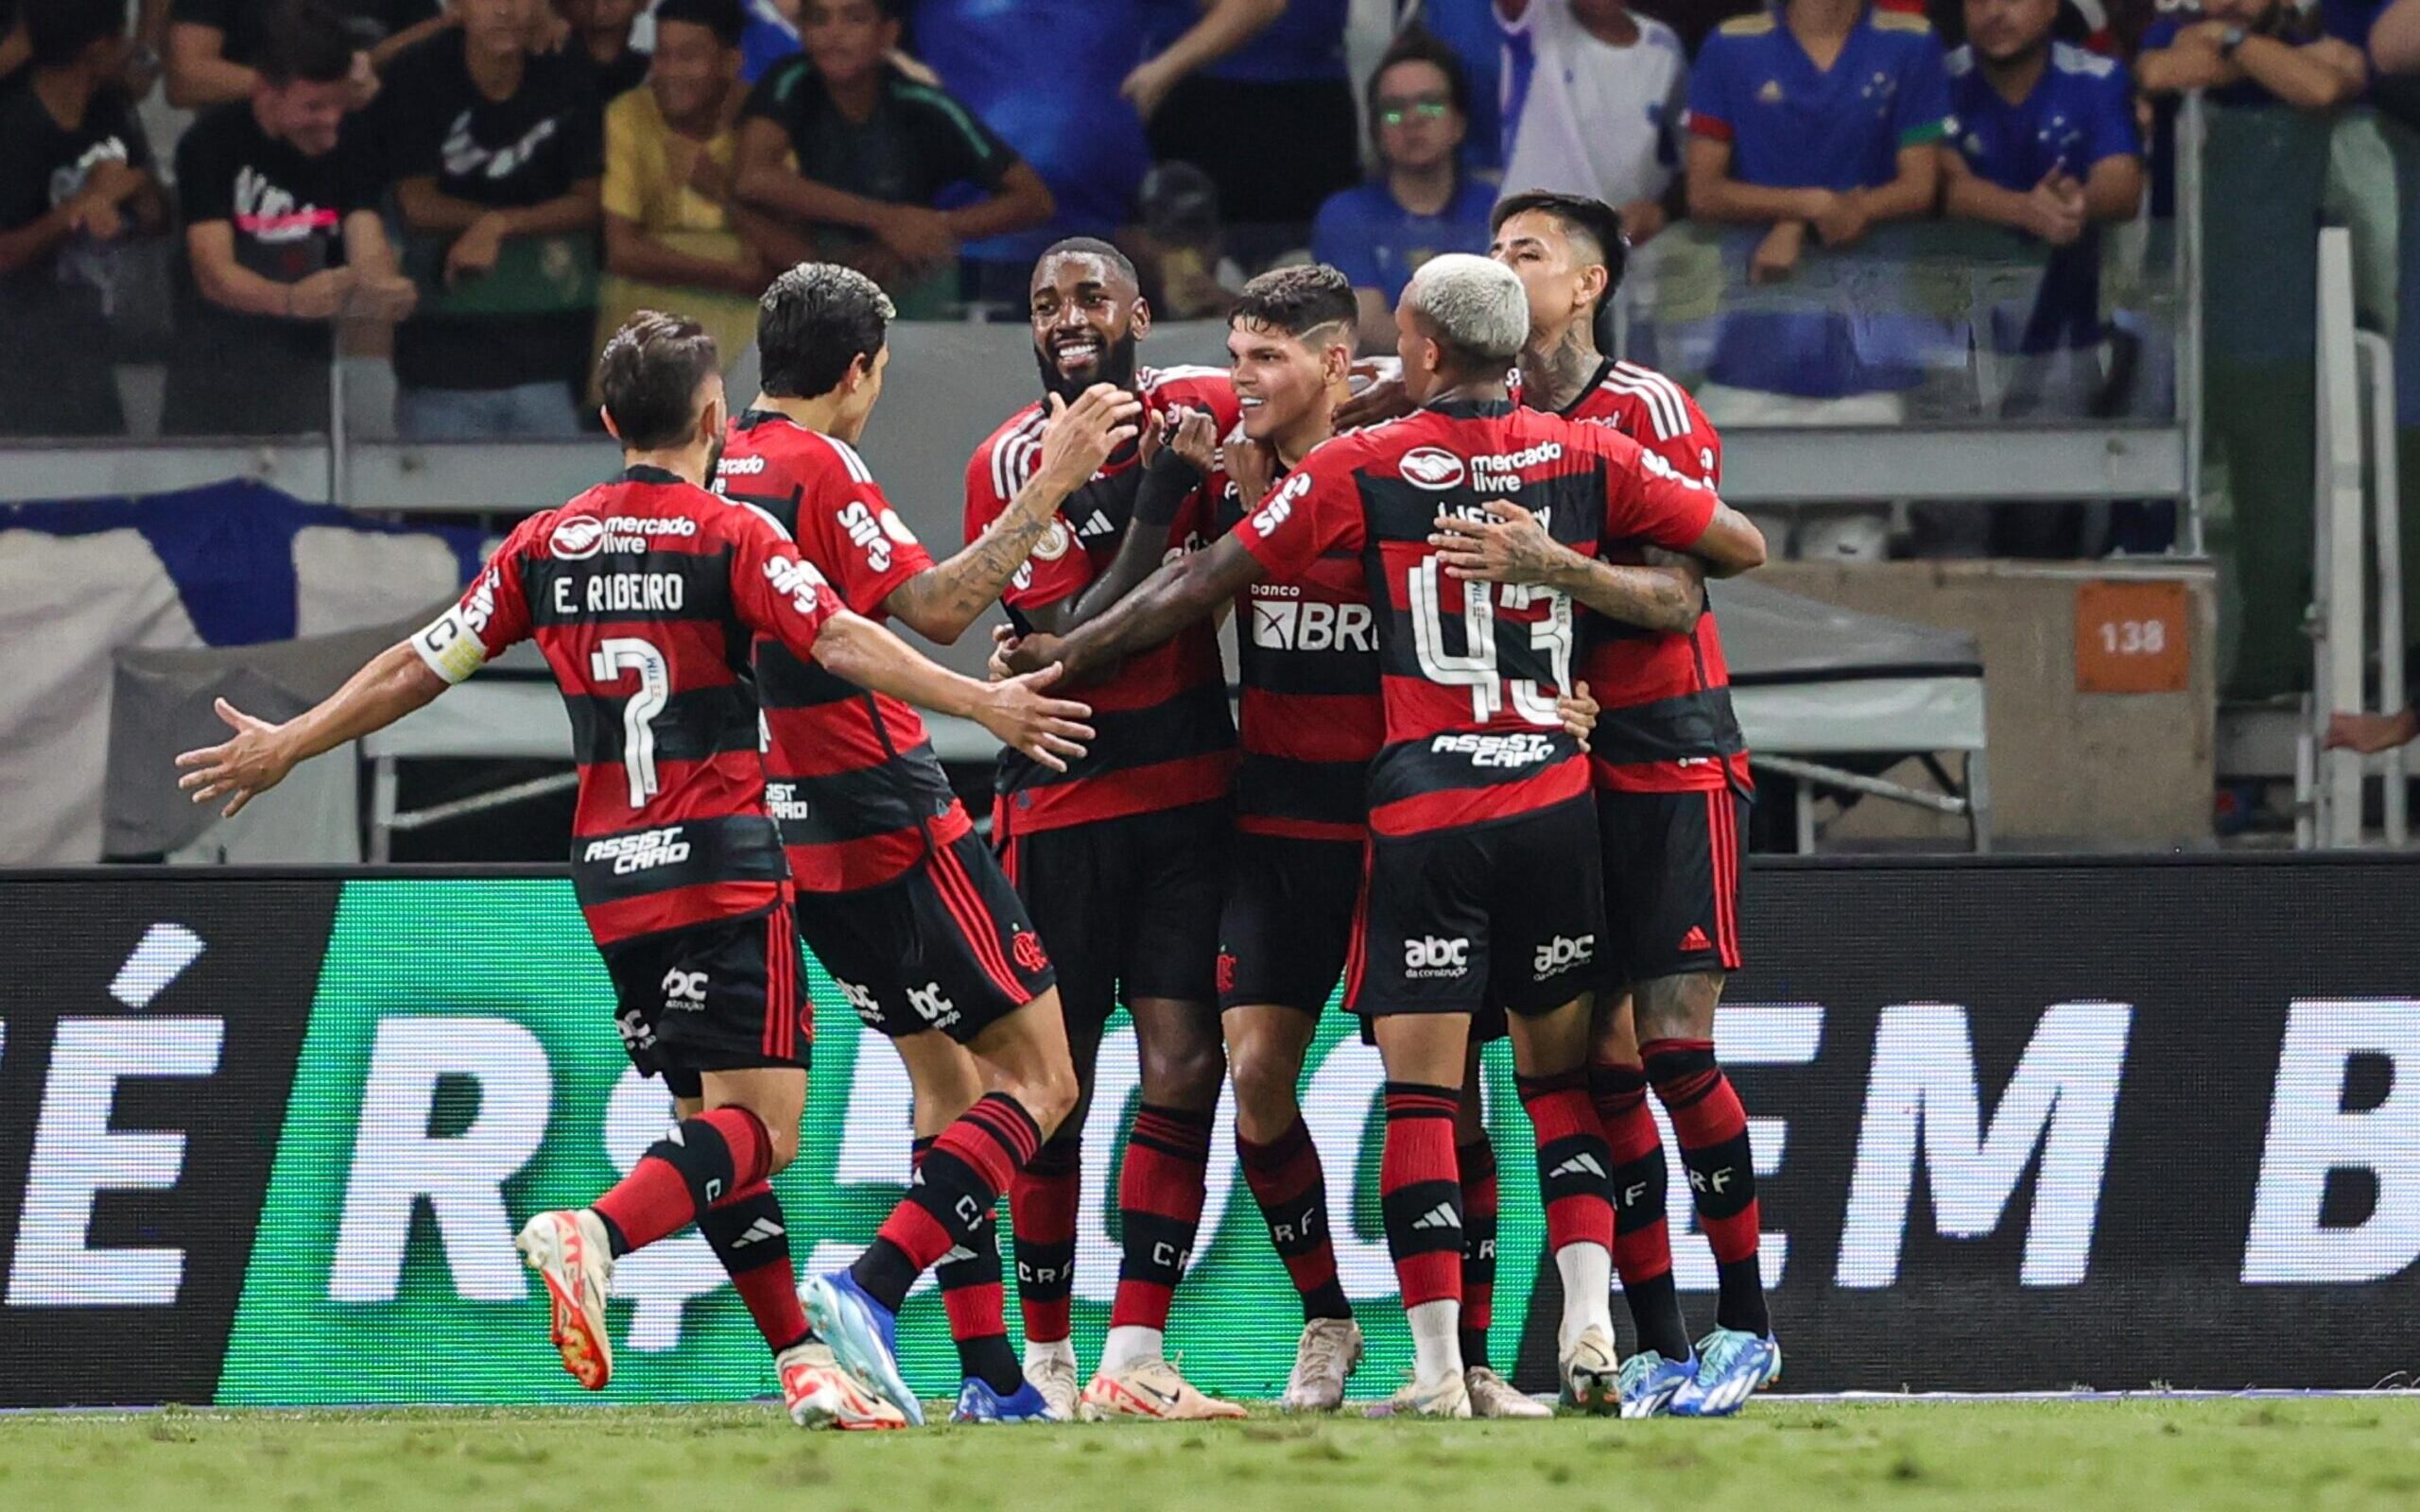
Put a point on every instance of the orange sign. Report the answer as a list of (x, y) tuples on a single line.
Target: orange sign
[(2130, 637)]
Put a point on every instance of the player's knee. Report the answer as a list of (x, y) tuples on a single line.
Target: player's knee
[(1266, 1075), (1676, 1007), (1048, 1093), (782, 1150), (1185, 1074)]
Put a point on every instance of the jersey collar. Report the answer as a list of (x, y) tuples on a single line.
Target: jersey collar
[(1471, 408), (1596, 380), (647, 472)]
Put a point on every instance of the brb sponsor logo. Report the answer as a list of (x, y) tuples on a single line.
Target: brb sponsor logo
[(1504, 753), (1561, 955), (1431, 956), (684, 992), (641, 851), (1281, 623)]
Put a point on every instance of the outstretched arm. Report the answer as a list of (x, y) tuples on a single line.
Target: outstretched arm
[(1188, 589), (1046, 729), (394, 684), (1187, 449), (1513, 548)]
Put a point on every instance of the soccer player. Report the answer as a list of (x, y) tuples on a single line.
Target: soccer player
[(643, 593), (1483, 876), (1121, 858), (900, 900), (1670, 770)]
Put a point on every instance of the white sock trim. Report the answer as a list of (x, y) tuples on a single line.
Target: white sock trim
[(1436, 1341), (1128, 1343), (1587, 1271)]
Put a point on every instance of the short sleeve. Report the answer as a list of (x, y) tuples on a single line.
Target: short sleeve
[(964, 149), (850, 532), (1057, 569), (361, 179), (2349, 21), (1922, 110), (1647, 498), (205, 180), (406, 140), (1307, 513), (771, 96), (218, 14), (585, 134), (2113, 130), (1340, 238), (492, 615), (117, 118), (1711, 114), (777, 592), (2160, 34), (624, 195)]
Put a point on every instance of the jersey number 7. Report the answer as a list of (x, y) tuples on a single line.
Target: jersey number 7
[(613, 657)]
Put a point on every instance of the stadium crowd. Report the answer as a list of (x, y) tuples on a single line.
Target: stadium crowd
[(483, 189)]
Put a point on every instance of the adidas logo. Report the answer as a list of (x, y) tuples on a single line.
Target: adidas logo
[(957, 1252), (762, 1230), (1441, 1216), (1695, 940), (1098, 525), (1581, 1164)]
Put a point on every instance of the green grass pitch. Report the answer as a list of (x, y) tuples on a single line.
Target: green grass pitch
[(2305, 1455)]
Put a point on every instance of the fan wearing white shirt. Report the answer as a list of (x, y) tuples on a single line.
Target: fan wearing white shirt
[(1593, 96)]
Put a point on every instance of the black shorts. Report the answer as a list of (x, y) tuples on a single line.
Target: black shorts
[(1506, 913), (1288, 921), (1673, 862), (725, 996), (946, 946), (1128, 906)]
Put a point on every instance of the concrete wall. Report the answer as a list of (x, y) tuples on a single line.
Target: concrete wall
[(2068, 768)]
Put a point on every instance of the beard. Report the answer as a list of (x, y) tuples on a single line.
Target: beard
[(713, 461), (1116, 368)]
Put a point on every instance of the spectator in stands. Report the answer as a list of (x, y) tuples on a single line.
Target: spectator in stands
[(2395, 39), (279, 198), (75, 177), (601, 29), (849, 148), (1470, 28), (1694, 21), (1422, 203), (497, 153), (212, 45), (1822, 119), (1597, 100), (768, 35), (2260, 52), (1280, 97), (673, 237)]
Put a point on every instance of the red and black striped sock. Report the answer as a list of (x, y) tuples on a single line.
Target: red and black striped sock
[(1642, 1237), (975, 1302), (1286, 1180), (961, 1182), (1160, 1192), (1713, 1131), (751, 1239), (1421, 1192), (1042, 1216), (1475, 1161), (700, 1163), (1573, 1174)]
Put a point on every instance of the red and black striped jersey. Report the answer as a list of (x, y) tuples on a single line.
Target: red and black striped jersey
[(1468, 679), (851, 775), (1312, 724), (1162, 737), (1666, 723), (645, 595)]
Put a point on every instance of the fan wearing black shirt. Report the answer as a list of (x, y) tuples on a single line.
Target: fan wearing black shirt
[(282, 240), (840, 139), (497, 155), (600, 30), (214, 46), (75, 179)]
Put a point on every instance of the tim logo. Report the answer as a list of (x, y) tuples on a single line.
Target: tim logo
[(684, 992), (1026, 951), (1561, 955), (577, 538), (1432, 468), (1429, 955)]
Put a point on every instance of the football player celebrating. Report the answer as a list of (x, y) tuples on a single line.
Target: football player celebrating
[(1478, 800), (1120, 858), (900, 900), (641, 593)]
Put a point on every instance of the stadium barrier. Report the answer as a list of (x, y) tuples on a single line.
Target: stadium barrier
[(265, 1137)]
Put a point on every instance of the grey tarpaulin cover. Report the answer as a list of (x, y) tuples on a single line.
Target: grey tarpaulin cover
[(1812, 678)]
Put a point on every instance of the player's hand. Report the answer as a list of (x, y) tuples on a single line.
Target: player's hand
[(1076, 438), (1148, 85), (1004, 645), (1510, 548), (362, 85), (2371, 734), (1194, 433), (474, 252), (323, 296), (1030, 654), (1777, 256), (1050, 731), (1382, 398), (921, 236), (248, 765), (1643, 218), (1579, 713), (1251, 466), (1843, 221)]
